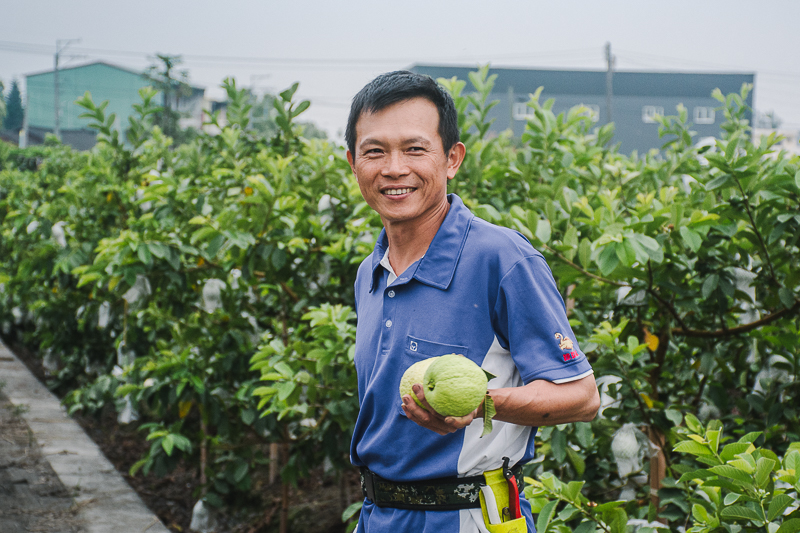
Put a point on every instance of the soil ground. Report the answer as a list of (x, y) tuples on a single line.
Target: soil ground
[(316, 503), (31, 496)]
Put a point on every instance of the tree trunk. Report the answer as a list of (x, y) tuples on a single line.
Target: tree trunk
[(284, 526), (274, 462), (658, 466)]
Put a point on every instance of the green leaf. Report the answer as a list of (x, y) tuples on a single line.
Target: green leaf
[(797, 179), (214, 246), (692, 447), (618, 520), (731, 498), (733, 473), (730, 451), (285, 389), (543, 231), (693, 423), (577, 461), (740, 512), (778, 504), (699, 513), (158, 249), (751, 437), (691, 238), (764, 468), (674, 416), (709, 285), (792, 460), (168, 444), (351, 510), (607, 260), (558, 443), (489, 412), (181, 442), (790, 526), (786, 296), (587, 526), (137, 465), (695, 474), (585, 253), (544, 518), (213, 499), (240, 471), (718, 182), (144, 254), (302, 106)]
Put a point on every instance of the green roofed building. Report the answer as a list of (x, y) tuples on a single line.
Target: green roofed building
[(120, 86), (636, 97)]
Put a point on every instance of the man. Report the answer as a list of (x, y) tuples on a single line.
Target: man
[(442, 281)]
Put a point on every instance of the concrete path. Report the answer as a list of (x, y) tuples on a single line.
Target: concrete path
[(105, 502)]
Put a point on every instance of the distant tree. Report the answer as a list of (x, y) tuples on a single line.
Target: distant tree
[(2, 103), (262, 118), (15, 114), (173, 85)]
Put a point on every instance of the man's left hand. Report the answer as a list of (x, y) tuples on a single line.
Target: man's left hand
[(430, 419)]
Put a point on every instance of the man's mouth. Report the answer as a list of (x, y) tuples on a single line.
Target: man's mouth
[(397, 192)]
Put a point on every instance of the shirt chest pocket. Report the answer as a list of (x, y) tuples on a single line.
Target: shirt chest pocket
[(418, 349)]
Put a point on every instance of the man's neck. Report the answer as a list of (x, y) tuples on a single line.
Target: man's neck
[(409, 242)]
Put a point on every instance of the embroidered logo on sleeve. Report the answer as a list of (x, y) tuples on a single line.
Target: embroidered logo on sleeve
[(565, 343)]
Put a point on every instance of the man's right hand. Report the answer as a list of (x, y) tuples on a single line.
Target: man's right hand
[(430, 419)]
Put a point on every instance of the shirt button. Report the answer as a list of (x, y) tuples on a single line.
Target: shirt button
[(391, 294), (388, 323)]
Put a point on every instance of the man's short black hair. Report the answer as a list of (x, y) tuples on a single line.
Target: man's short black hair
[(401, 85)]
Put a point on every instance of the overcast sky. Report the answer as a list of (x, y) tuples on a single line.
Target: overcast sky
[(334, 48)]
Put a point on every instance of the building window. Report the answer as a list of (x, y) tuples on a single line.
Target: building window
[(521, 111), (703, 115), (649, 113), (592, 111)]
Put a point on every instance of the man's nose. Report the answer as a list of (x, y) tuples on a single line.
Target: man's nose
[(395, 165)]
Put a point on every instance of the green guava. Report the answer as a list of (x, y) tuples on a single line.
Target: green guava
[(414, 374), (454, 385)]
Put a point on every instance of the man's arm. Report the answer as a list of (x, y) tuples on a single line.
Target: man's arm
[(539, 403)]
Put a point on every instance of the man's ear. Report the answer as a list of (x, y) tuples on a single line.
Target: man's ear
[(455, 158), (350, 160)]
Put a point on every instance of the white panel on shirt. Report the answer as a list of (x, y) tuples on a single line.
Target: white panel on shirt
[(506, 440)]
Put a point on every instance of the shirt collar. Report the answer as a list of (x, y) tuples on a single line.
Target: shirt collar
[(438, 265)]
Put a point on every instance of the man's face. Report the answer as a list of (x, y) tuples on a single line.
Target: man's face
[(401, 165)]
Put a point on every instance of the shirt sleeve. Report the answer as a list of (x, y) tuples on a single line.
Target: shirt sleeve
[(531, 322)]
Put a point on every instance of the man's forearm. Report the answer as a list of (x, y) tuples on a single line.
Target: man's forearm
[(542, 403)]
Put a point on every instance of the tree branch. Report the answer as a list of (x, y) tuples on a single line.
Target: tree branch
[(746, 202), (738, 330), (584, 271)]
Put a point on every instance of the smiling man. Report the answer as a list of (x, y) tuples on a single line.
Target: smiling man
[(441, 281)]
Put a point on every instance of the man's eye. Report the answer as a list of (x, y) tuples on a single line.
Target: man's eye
[(416, 149)]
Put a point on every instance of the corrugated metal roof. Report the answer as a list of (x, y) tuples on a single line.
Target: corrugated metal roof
[(585, 82)]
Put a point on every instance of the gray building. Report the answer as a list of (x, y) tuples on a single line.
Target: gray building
[(636, 98)]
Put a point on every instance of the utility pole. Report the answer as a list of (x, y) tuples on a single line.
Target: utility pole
[(23, 137), (61, 45), (609, 82)]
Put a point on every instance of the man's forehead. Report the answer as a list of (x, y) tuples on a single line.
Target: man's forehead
[(374, 110)]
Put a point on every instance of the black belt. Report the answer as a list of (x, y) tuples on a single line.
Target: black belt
[(441, 494)]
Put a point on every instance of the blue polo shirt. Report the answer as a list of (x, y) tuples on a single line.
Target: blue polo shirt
[(481, 291)]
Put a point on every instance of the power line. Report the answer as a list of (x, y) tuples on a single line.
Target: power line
[(48, 50)]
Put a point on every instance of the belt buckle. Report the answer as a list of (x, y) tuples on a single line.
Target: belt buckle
[(368, 484)]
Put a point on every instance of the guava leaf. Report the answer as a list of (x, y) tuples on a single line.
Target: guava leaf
[(489, 375), (488, 413)]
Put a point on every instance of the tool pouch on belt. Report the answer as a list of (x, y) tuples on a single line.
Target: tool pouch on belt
[(498, 483)]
